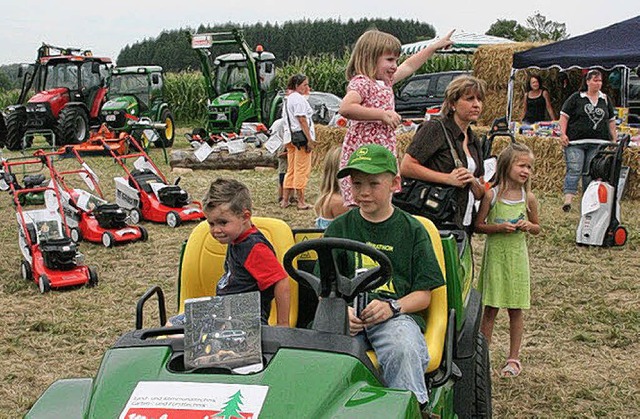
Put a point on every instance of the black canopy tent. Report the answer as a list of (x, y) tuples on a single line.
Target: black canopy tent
[(616, 46)]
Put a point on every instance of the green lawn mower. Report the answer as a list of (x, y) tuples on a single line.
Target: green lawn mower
[(316, 372), (134, 93)]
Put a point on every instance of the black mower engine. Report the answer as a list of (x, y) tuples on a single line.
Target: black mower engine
[(59, 254), (110, 216), (173, 196), (33, 181)]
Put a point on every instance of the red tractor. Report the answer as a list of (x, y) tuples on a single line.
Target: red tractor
[(69, 87)]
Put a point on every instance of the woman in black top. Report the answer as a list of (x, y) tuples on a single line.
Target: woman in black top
[(587, 114), (429, 158), (536, 101)]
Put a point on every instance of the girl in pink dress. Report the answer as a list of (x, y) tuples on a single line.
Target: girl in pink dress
[(369, 102)]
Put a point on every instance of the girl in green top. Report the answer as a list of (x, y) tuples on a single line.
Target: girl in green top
[(507, 212)]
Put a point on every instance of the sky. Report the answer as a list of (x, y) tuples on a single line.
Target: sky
[(108, 26)]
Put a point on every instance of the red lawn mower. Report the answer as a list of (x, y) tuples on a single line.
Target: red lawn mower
[(146, 193), (89, 216), (51, 258)]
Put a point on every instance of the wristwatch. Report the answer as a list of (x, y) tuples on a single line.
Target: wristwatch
[(395, 307)]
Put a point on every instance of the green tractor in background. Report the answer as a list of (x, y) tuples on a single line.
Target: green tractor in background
[(136, 92), (238, 85)]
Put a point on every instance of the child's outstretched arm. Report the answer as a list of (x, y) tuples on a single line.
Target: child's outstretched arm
[(413, 63), (281, 293), (351, 108), (481, 225), (532, 223)]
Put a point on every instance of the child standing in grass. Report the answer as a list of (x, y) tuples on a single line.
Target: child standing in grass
[(507, 212), (369, 102), (329, 203)]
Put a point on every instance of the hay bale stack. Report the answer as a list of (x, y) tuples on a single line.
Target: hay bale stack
[(329, 138), (492, 63), (549, 165)]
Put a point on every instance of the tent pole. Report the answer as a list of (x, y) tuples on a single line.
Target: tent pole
[(510, 94), (624, 88)]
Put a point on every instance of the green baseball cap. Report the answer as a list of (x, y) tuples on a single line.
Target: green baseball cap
[(372, 159)]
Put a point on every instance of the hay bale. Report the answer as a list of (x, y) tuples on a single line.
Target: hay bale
[(329, 137), (549, 164)]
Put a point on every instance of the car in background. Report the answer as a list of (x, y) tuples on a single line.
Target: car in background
[(423, 92), (325, 106)]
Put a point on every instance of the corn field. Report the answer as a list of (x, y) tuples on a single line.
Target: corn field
[(9, 97), (185, 94)]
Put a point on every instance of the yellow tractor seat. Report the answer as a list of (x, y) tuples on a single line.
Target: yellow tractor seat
[(202, 263), (435, 315)]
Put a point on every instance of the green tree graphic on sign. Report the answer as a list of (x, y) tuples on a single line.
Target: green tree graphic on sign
[(231, 409)]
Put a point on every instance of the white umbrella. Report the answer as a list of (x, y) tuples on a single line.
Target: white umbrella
[(463, 42)]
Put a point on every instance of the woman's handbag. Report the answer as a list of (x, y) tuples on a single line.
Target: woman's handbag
[(298, 139), (435, 201)]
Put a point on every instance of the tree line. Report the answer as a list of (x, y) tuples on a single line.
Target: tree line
[(172, 51)]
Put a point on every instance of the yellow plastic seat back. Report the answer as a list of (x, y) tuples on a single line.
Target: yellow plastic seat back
[(435, 315), (203, 263)]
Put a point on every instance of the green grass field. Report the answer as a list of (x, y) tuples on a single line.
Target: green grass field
[(579, 352)]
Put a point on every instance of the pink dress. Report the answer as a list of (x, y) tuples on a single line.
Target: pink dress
[(374, 94)]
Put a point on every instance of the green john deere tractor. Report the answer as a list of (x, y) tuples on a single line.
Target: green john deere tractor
[(317, 372), (136, 92), (238, 84)]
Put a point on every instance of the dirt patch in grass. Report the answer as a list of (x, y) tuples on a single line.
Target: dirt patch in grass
[(579, 352)]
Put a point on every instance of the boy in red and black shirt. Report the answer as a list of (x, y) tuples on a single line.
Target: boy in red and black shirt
[(251, 263)]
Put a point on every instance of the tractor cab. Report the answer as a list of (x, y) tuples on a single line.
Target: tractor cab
[(232, 72), (136, 92), (69, 87)]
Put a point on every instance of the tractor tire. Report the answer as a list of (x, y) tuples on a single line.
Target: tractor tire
[(3, 131), (472, 393), (73, 126), (16, 121), (168, 134)]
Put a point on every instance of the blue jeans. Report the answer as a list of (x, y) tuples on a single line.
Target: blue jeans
[(578, 158), (402, 353)]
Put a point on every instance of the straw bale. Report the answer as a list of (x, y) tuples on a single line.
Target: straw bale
[(549, 163)]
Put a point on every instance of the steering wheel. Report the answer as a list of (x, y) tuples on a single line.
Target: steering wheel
[(331, 282)]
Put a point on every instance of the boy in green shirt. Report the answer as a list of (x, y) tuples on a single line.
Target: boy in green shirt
[(390, 323)]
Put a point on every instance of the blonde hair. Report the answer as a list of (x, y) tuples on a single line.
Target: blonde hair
[(329, 185), (370, 46), (459, 87), (505, 160), (228, 191)]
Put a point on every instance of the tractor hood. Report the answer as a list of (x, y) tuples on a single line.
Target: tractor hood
[(50, 96), (235, 98), (298, 383), (129, 104)]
